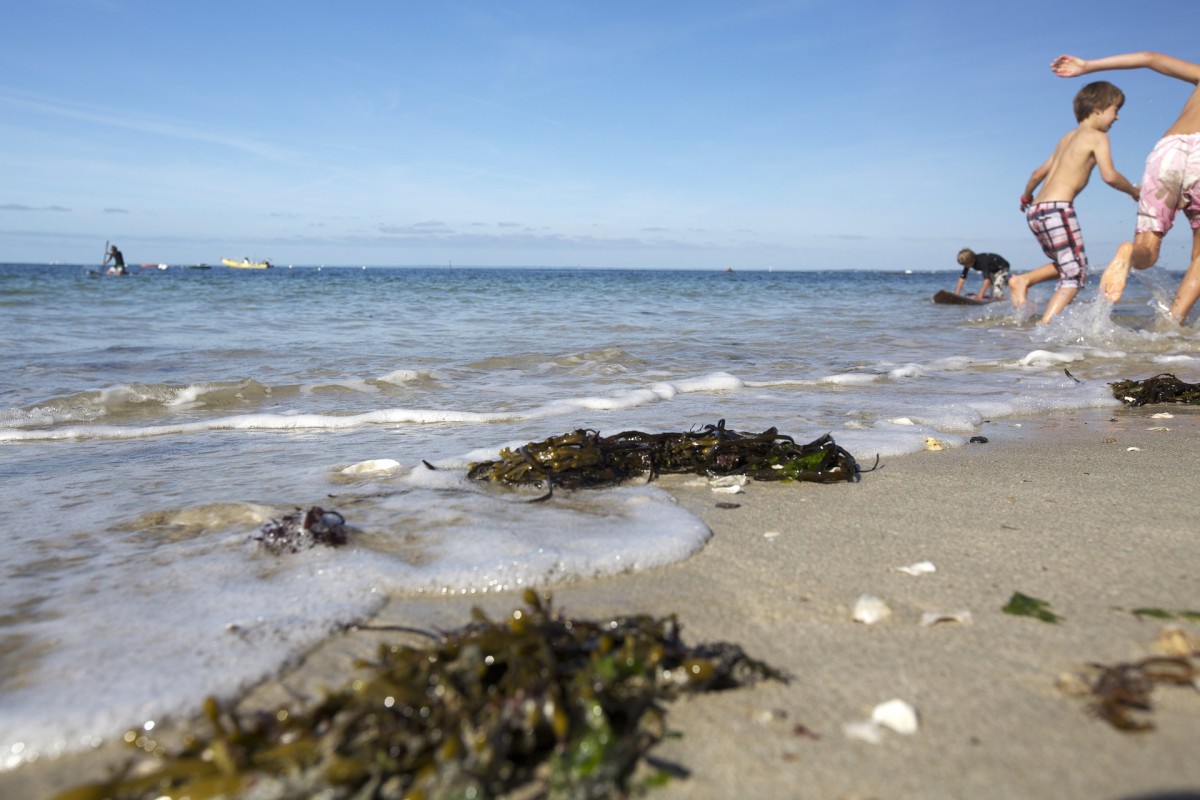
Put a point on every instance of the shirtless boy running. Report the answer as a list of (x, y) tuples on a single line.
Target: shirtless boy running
[(1171, 182), (1051, 214)]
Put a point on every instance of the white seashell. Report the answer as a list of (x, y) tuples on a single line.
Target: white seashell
[(896, 715), (863, 731), (728, 480), (373, 466), (920, 568), (869, 609), (1163, 415), (901, 421), (933, 444), (931, 618), (1159, 428), (770, 715), (1133, 449), (771, 535), (727, 489)]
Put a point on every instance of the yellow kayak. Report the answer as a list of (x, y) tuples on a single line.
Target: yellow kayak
[(245, 263)]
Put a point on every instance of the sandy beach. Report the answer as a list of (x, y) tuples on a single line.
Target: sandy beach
[(1093, 512)]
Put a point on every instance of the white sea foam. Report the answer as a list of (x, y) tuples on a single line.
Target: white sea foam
[(851, 379), (400, 377), (1176, 359), (211, 614), (908, 371), (1044, 358)]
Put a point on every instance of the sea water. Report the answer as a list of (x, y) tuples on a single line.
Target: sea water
[(150, 425)]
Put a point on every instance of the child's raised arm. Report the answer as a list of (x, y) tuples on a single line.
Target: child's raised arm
[(1108, 172), (1073, 66)]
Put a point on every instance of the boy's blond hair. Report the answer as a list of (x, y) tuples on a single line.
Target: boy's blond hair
[(1097, 96), (966, 256)]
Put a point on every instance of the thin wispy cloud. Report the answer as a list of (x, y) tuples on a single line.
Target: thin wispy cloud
[(94, 115), (20, 207)]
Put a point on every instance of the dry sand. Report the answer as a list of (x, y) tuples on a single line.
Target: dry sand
[(1061, 508)]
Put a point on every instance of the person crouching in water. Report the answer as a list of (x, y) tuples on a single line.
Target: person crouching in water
[(994, 269)]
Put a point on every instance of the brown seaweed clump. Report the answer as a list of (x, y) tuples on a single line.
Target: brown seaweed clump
[(585, 459), (537, 703), (296, 532), (1120, 694), (1162, 388)]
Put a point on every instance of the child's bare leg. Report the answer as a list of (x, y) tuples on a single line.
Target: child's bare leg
[(1018, 285), (1112, 282), (1058, 301), (1140, 254), (1146, 245), (1189, 287)]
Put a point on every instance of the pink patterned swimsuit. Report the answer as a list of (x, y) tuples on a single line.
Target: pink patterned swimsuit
[(1171, 183)]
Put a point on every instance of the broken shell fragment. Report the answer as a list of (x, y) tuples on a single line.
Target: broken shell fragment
[(863, 732), (1072, 685), (727, 480), (869, 609), (896, 715), (933, 444), (727, 489), (931, 618), (920, 568), (1173, 640)]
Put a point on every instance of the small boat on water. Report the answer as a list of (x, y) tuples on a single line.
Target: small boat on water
[(246, 263)]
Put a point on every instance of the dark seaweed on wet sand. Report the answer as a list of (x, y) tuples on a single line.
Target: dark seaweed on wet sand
[(540, 703), (585, 459), (1162, 388)]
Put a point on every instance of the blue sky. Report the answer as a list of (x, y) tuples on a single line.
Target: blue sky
[(755, 134)]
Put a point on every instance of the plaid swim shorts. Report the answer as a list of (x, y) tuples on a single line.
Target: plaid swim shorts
[(1057, 230)]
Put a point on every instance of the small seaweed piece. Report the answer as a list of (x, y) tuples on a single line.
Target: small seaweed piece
[(1162, 613), (1122, 690), (564, 708), (1162, 388), (585, 459), (1156, 613), (295, 532), (1022, 605)]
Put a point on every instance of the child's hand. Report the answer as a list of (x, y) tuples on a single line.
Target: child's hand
[(1067, 66)]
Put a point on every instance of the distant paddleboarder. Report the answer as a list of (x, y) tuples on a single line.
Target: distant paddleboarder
[(118, 261)]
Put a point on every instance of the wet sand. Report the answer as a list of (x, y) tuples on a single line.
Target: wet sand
[(1060, 508)]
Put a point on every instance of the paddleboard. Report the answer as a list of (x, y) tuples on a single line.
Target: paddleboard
[(946, 298)]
